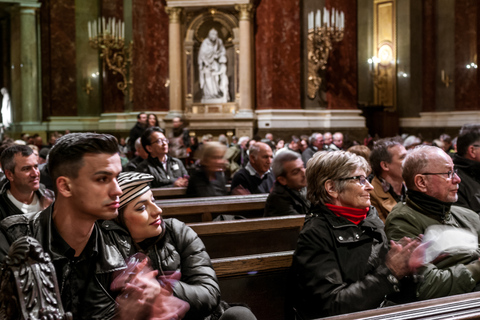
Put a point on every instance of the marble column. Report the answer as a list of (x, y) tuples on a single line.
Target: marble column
[(175, 43), (29, 63), (246, 60)]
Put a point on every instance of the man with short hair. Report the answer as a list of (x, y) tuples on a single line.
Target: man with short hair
[(84, 168), (137, 130), (288, 196), (22, 193), (167, 171), (315, 143), (256, 177), (140, 155), (467, 161), (432, 186), (388, 187), (327, 140)]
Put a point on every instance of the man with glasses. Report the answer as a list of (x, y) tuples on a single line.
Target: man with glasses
[(432, 184), (168, 171), (467, 161)]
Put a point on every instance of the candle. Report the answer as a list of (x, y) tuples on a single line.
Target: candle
[(318, 19), (113, 27), (103, 25), (310, 24), (123, 30), (333, 18), (325, 19), (89, 31), (94, 28), (443, 75), (343, 20)]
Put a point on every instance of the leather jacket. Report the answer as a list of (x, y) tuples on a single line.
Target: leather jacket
[(7, 208), (339, 267), (97, 302), (162, 178), (179, 248)]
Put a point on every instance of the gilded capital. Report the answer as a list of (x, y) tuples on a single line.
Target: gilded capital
[(174, 14), (246, 11)]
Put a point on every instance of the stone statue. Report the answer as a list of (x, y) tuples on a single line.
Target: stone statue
[(6, 108), (212, 66)]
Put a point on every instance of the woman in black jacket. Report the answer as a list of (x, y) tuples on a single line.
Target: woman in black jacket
[(208, 180), (342, 262), (171, 246)]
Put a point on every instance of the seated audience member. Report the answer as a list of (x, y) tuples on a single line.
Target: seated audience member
[(432, 185), (256, 177), (137, 131), (327, 140), (388, 187), (364, 152), (315, 143), (167, 171), (152, 120), (467, 161), (411, 142), (342, 262), (23, 192), (288, 194), (337, 142), (279, 145), (209, 180), (303, 144), (84, 167), (139, 156), (447, 143), (171, 246)]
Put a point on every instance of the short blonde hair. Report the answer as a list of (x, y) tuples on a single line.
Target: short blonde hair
[(330, 165), (209, 148)]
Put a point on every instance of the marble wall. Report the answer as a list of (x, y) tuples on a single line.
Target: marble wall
[(277, 54), (150, 66), (466, 50), (429, 57), (58, 58)]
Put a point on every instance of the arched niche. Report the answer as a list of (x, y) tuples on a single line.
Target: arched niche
[(226, 25)]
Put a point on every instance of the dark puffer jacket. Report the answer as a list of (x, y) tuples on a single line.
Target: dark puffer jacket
[(339, 267), (469, 188), (179, 248)]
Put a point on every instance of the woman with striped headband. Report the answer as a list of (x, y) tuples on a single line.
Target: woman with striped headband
[(171, 246)]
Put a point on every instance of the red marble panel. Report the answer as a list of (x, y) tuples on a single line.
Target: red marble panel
[(113, 100), (342, 64), (466, 48), (428, 56), (150, 58), (59, 93), (277, 45)]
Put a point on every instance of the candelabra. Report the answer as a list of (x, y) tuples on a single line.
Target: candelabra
[(322, 33), (108, 35)]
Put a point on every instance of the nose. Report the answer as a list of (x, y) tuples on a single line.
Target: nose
[(368, 185), (156, 210), (456, 178), (116, 191)]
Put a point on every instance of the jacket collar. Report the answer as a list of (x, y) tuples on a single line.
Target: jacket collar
[(108, 256), (340, 222), (470, 166)]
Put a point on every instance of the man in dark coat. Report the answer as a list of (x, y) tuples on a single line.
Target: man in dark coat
[(22, 193), (315, 143), (288, 194), (467, 161), (137, 131)]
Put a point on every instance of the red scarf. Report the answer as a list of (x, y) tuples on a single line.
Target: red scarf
[(351, 214)]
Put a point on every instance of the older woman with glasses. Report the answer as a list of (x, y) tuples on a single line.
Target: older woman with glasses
[(342, 262)]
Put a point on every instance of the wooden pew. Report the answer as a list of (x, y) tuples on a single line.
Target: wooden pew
[(249, 236), (258, 280), (261, 280), (173, 192), (207, 208)]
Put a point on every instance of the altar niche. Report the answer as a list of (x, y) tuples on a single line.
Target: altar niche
[(211, 58)]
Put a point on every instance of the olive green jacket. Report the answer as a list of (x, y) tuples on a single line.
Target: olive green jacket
[(448, 276)]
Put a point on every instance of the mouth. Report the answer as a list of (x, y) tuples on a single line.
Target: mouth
[(156, 222), (114, 205)]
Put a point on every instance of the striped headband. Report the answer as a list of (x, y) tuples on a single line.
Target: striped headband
[(133, 184)]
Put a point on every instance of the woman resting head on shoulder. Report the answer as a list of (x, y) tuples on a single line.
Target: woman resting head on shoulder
[(343, 262), (171, 246)]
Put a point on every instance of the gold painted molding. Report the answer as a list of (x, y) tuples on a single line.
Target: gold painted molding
[(174, 14), (246, 11)]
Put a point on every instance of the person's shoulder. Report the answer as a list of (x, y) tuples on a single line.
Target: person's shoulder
[(466, 212)]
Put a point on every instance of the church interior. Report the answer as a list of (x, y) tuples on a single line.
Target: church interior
[(363, 67)]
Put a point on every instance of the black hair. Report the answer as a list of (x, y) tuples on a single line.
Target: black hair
[(146, 137), (469, 134), (66, 156), (380, 152)]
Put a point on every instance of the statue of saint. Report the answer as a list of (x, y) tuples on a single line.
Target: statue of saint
[(6, 108), (212, 67)]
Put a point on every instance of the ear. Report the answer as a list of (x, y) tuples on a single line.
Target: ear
[(330, 188), (64, 185), (282, 180), (471, 152), (9, 175), (148, 148), (421, 183), (384, 165)]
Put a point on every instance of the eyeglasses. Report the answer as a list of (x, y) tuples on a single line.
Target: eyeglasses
[(361, 179), (450, 174), (161, 141)]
